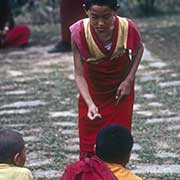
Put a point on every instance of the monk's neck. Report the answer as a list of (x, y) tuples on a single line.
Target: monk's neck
[(105, 37)]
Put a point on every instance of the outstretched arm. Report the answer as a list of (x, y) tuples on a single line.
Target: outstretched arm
[(125, 87), (82, 84), (136, 60)]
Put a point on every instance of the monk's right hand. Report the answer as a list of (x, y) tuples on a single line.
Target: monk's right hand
[(93, 113)]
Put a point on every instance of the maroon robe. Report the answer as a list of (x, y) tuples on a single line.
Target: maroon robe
[(17, 35), (88, 169), (70, 12)]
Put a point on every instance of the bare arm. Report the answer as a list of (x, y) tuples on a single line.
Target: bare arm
[(82, 84), (136, 60), (125, 87)]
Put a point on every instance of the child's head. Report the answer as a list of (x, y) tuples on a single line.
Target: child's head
[(112, 4), (12, 148), (114, 144)]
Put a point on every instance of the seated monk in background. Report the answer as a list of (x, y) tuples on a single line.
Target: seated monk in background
[(113, 148), (11, 36), (13, 156)]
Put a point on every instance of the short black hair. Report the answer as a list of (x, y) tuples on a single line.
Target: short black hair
[(110, 3), (11, 143), (114, 143)]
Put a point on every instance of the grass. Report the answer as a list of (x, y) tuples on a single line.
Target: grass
[(160, 34)]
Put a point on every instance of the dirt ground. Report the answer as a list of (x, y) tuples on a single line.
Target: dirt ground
[(162, 36), (38, 97)]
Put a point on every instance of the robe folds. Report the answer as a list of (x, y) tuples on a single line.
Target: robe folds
[(104, 70), (17, 36), (88, 169)]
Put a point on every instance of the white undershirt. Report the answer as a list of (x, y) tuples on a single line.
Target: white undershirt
[(108, 46)]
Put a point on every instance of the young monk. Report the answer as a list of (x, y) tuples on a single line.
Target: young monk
[(113, 148), (11, 36), (107, 50), (13, 156)]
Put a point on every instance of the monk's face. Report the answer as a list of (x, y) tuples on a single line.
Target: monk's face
[(101, 18)]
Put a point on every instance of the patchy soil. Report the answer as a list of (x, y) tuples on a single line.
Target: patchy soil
[(162, 36), (39, 98)]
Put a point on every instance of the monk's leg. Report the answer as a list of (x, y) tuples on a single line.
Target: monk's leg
[(70, 12)]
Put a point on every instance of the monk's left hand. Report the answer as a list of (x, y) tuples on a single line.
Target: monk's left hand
[(123, 90)]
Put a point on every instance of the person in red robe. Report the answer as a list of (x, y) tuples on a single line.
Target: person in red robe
[(113, 149), (107, 50), (11, 36), (70, 12)]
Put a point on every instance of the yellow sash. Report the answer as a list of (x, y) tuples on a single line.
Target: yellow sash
[(121, 44)]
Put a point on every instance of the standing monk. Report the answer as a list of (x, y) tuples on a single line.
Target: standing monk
[(70, 12), (107, 50), (11, 36)]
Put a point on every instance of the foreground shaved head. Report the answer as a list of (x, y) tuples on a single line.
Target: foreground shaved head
[(11, 143)]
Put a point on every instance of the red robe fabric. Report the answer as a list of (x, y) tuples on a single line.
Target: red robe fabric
[(70, 12), (103, 80), (88, 169), (17, 36)]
